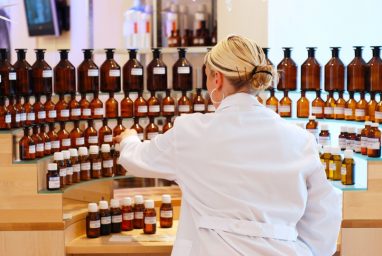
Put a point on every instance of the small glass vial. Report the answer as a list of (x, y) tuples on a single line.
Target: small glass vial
[(107, 161), (350, 138), (272, 102), (324, 136), (168, 104), (348, 168), (85, 173), (365, 137), (335, 164), (150, 218), (105, 134), (52, 177), (374, 141), (325, 160), (127, 214), (75, 162), (342, 137), (184, 104), (127, 107), (93, 221), (54, 140), (154, 106), (312, 126), (318, 106), (285, 106), (104, 213), (357, 141), (138, 212), (166, 212), (140, 106), (69, 168), (95, 161), (119, 170), (74, 107), (116, 216), (59, 160), (151, 130)]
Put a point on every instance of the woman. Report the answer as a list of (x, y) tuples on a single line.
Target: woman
[(252, 183)]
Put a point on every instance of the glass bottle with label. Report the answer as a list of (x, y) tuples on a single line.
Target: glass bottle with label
[(285, 105), (24, 74), (335, 72), (44, 136), (107, 161), (54, 140), (96, 107), (96, 162), (166, 212), (7, 75), (150, 219), (357, 142), (361, 108), (375, 70), (85, 172), (312, 126), (371, 107), (42, 74), (184, 104), (52, 177), (154, 105), (335, 164), (119, 128), (378, 111), (64, 75), (85, 107), (20, 109), (138, 212), (168, 125), (91, 135), (15, 115), (27, 147), (50, 109), (342, 137), (119, 170), (365, 137), (110, 73), (182, 73), (324, 136), (127, 107), (39, 111), (127, 214), (105, 134), (348, 168), (339, 109), (62, 109), (64, 137), (156, 73), (325, 160), (5, 116), (138, 128), (30, 114), (116, 216), (350, 138), (151, 130), (288, 72), (311, 72), (318, 106), (133, 73), (77, 136), (59, 160), (88, 74), (187, 38), (111, 106), (356, 72), (199, 103), (168, 104), (105, 218), (74, 107), (93, 221), (374, 141), (350, 107), (140, 106), (38, 141), (272, 102), (69, 168), (303, 106), (75, 162), (329, 106)]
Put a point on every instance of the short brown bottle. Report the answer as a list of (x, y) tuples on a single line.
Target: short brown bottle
[(361, 108), (375, 70), (85, 107), (5, 116), (168, 104), (182, 73), (119, 128), (96, 106), (378, 111), (272, 102), (96, 162), (45, 138), (88, 74), (138, 128), (111, 106), (150, 218), (105, 218), (350, 107), (30, 114), (107, 161), (187, 38), (303, 106), (27, 147), (168, 125), (62, 109), (64, 75), (285, 106), (199, 103), (127, 107), (357, 72), (371, 107), (119, 170), (69, 168), (74, 108), (116, 216), (38, 141), (64, 137), (52, 177), (75, 162), (133, 72), (8, 75), (329, 106), (85, 172), (61, 167), (365, 137), (91, 135), (184, 104), (127, 214), (39, 111), (105, 134), (156, 73), (15, 115), (20, 109), (374, 141), (311, 72), (93, 221), (23, 73), (151, 129), (110, 74), (54, 140), (42, 74), (318, 106), (77, 136), (138, 212), (154, 106), (335, 72), (140, 106), (50, 109), (339, 109), (287, 71), (166, 212)]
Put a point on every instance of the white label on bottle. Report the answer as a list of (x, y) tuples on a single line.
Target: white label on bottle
[(23, 117), (63, 172), (374, 143), (199, 107), (343, 170), (201, 41), (378, 115), (349, 144), (115, 73), (138, 215), (166, 214), (116, 219), (328, 110), (324, 141), (18, 118), (97, 166), (154, 109), (66, 142), (56, 144), (76, 112), (364, 142), (159, 71), (184, 108), (31, 116), (169, 108), (48, 145), (128, 216), (342, 143), (332, 166), (284, 109), (339, 110), (95, 224), (41, 115), (76, 168), (348, 112), (93, 139), (32, 149), (54, 182), (80, 141), (8, 119), (47, 73), (98, 111), (150, 220), (142, 109), (136, 72), (108, 138), (359, 112), (85, 166), (86, 112), (40, 147), (107, 164), (357, 146), (106, 220), (316, 110), (52, 114), (184, 70), (140, 136), (12, 76), (211, 108), (93, 72), (151, 135), (64, 113), (69, 170), (271, 107)]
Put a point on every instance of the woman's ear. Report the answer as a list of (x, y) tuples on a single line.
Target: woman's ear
[(218, 80)]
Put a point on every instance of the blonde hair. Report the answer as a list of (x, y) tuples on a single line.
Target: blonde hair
[(242, 62)]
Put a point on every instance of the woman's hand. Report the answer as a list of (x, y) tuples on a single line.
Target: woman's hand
[(126, 133)]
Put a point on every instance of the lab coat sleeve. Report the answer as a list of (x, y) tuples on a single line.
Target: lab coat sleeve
[(150, 159)]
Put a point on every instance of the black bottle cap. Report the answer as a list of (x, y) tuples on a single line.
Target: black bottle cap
[(287, 51), (265, 50), (376, 50), (3, 54), (119, 120), (40, 53), (156, 53), (182, 52), (63, 54), (358, 51), (335, 51), (311, 51), (21, 54), (104, 121), (132, 53), (151, 118), (88, 53), (109, 53)]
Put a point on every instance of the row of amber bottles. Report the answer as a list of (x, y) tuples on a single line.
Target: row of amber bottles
[(361, 76), (202, 37), (335, 167)]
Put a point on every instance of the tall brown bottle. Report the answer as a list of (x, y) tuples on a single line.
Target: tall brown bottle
[(287, 71), (154, 105), (329, 106), (91, 135), (119, 128), (311, 72), (88, 74), (77, 136), (74, 107), (64, 137), (350, 107), (361, 108), (335, 72), (318, 106), (156, 73), (7, 74), (184, 104), (42, 74), (357, 72), (168, 104), (54, 140), (50, 108), (375, 70), (303, 106), (140, 106), (127, 106), (138, 128), (272, 102), (39, 110), (85, 107), (111, 106), (151, 129), (133, 73), (182, 73), (24, 74), (285, 105), (110, 73), (339, 109), (62, 110), (64, 75), (105, 134), (371, 107), (27, 147), (96, 106)]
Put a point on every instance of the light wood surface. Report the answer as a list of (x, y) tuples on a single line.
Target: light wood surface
[(361, 241)]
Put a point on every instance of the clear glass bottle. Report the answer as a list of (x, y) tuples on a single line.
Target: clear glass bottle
[(77, 136), (127, 107), (86, 112), (303, 106), (110, 73), (96, 162), (335, 72), (54, 140), (127, 214), (93, 221), (138, 212), (105, 134), (64, 75), (357, 72), (329, 106), (88, 74), (184, 104), (311, 72), (42, 74), (168, 104), (150, 218), (116, 216), (272, 102), (140, 106), (91, 135), (348, 168), (111, 106), (62, 110), (166, 212), (27, 146), (156, 73), (52, 177), (339, 109), (74, 107), (288, 72), (96, 106), (182, 73), (85, 172), (350, 107), (285, 105), (138, 128), (50, 108), (38, 141), (23, 86), (105, 218), (64, 137), (151, 130), (133, 72), (107, 161)]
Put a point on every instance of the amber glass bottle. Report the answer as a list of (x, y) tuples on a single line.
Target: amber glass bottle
[(105, 134), (311, 72), (85, 173), (348, 168), (5, 116), (156, 73), (116, 216), (74, 107), (287, 71), (350, 107), (285, 105), (64, 75), (38, 141), (303, 106), (50, 108), (154, 105), (31, 116), (105, 218), (47, 144), (27, 146), (335, 164), (15, 115), (151, 129), (138, 212), (133, 73), (77, 136), (350, 138), (168, 104), (69, 168), (168, 125), (62, 109), (23, 73), (110, 73), (8, 75), (127, 107), (42, 74), (74, 161), (371, 107), (96, 162), (119, 128), (335, 72), (96, 107), (357, 72), (166, 212), (59, 160), (266, 50), (93, 221), (91, 135), (374, 141), (324, 136), (64, 137), (187, 38), (329, 106), (107, 161), (54, 140), (150, 218), (52, 177), (184, 104), (272, 102), (88, 74), (339, 109), (365, 137), (111, 106), (357, 142), (85, 107), (375, 70), (182, 73), (378, 111), (119, 170), (20, 108), (140, 106), (312, 126), (138, 128), (361, 108), (199, 103), (127, 214)]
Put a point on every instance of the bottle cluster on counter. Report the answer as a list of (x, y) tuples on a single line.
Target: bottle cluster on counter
[(124, 216)]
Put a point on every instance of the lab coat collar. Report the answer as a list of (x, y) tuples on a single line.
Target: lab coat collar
[(238, 99)]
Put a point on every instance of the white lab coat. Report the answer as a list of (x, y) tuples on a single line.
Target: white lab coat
[(252, 183)]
